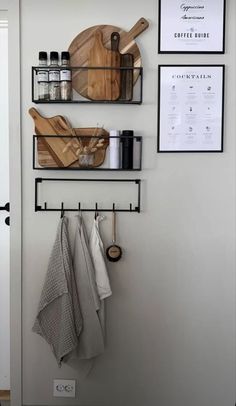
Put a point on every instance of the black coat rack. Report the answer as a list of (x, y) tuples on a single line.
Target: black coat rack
[(79, 207)]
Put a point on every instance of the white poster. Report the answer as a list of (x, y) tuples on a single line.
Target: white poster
[(191, 108), (191, 26)]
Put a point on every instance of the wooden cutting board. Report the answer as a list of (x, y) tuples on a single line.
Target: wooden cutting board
[(82, 43), (126, 75), (56, 125), (46, 159), (103, 84), (5, 395)]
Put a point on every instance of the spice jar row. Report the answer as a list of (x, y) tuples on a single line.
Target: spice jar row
[(53, 83)]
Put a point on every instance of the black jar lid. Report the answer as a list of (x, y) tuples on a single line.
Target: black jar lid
[(65, 55), (53, 55), (127, 133), (43, 55), (126, 138)]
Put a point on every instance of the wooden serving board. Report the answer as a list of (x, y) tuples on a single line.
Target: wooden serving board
[(47, 160), (80, 47), (5, 395), (103, 84), (56, 125)]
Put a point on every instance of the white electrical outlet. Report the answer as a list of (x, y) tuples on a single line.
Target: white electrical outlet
[(64, 388)]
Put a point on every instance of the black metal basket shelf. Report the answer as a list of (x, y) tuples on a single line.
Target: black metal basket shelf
[(137, 97), (44, 158)]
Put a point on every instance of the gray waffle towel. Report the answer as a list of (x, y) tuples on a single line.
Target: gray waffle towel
[(59, 319)]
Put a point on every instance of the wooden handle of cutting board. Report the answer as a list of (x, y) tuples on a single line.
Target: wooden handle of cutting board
[(34, 113), (48, 126), (115, 39), (58, 124), (141, 25)]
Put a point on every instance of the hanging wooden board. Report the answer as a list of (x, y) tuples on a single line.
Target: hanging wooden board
[(80, 47), (56, 125), (126, 75), (103, 84)]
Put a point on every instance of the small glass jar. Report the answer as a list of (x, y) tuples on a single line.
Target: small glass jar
[(54, 77), (86, 160), (42, 77), (65, 77)]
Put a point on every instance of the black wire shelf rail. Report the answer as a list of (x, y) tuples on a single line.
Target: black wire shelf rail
[(79, 206)]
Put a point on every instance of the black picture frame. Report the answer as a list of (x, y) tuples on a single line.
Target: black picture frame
[(192, 51), (159, 118)]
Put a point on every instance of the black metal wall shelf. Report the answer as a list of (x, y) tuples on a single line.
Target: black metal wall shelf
[(79, 207), (44, 159), (136, 99)]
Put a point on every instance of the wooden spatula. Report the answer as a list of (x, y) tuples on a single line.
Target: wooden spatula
[(56, 125), (103, 84)]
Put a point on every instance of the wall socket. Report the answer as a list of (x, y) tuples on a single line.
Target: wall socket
[(64, 388)]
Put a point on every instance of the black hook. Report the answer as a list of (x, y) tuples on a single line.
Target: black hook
[(96, 211), (45, 205), (113, 207), (130, 207), (62, 210), (79, 205)]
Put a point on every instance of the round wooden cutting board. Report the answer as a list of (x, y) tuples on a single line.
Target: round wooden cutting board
[(80, 48)]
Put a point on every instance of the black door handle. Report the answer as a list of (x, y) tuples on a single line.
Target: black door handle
[(6, 207)]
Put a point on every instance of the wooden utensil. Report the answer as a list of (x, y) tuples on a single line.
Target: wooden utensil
[(126, 75), (82, 43), (45, 159), (114, 251), (103, 84), (56, 125)]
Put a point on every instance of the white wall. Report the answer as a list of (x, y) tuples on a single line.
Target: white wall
[(170, 320)]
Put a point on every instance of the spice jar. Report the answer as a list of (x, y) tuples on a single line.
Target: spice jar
[(42, 76), (65, 77), (54, 77)]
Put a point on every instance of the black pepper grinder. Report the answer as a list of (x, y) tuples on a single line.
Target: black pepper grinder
[(127, 149)]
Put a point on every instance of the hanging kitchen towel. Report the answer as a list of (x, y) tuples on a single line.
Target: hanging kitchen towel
[(91, 342), (101, 275), (98, 257), (59, 319)]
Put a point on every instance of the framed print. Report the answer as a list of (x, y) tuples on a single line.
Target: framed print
[(190, 108), (191, 26)]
